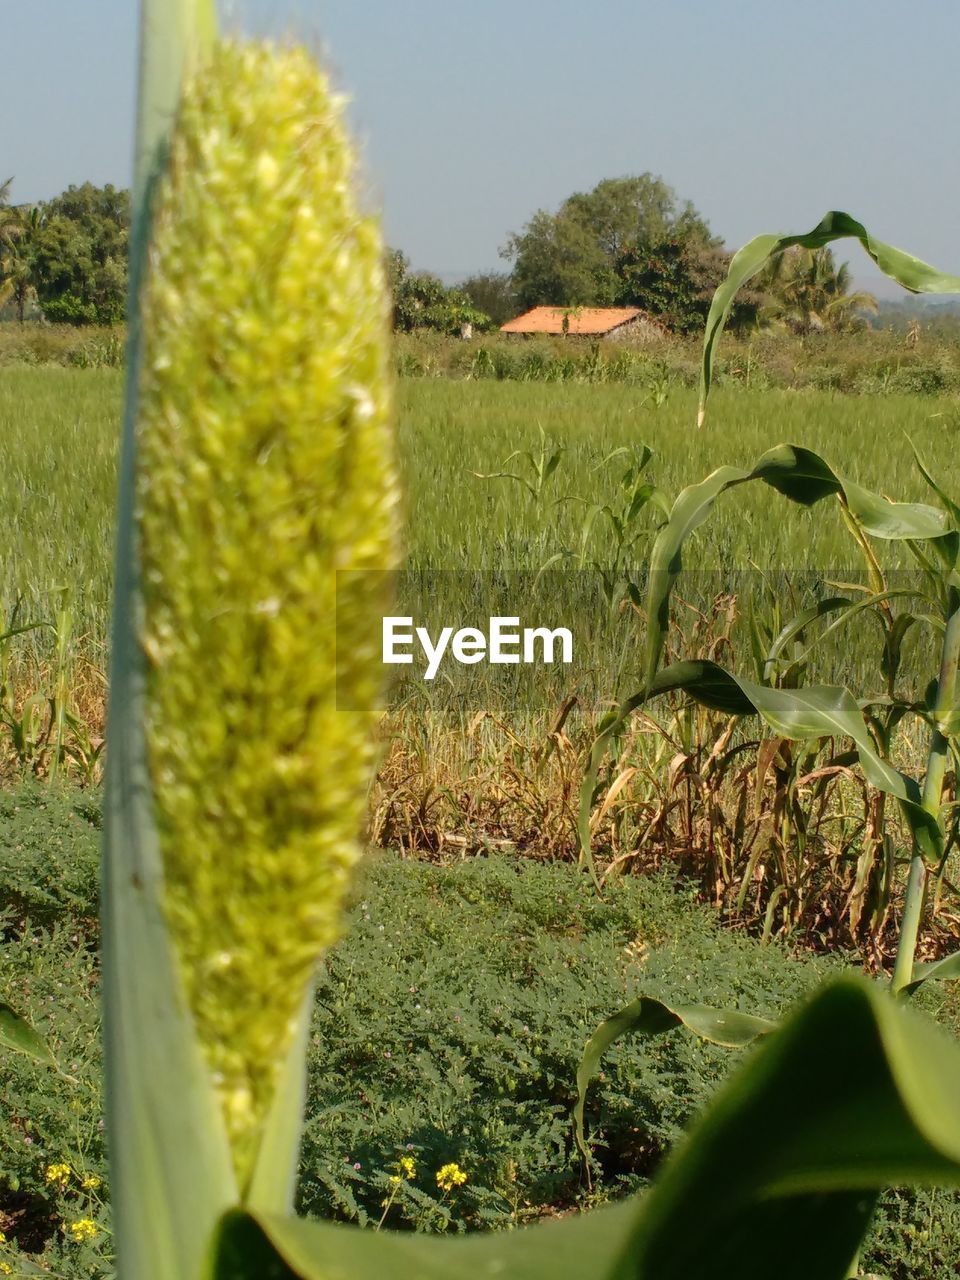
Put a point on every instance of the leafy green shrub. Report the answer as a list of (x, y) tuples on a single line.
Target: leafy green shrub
[(53, 1169), (921, 379), (68, 309), (456, 1007), (49, 859)]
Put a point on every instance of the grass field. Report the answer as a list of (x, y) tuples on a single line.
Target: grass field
[(58, 435), (516, 962), (494, 757)]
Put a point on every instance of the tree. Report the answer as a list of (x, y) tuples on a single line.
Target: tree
[(18, 239), (570, 258), (80, 256), (7, 215), (558, 262), (422, 301), (396, 264), (675, 280), (809, 293), (492, 293)]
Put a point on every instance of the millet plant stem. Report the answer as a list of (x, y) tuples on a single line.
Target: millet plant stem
[(932, 790)]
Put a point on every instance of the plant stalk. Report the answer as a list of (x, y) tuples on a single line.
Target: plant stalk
[(171, 1178), (932, 791)]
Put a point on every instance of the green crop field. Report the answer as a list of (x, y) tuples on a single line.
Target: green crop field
[(58, 439), (494, 767), (464, 762)]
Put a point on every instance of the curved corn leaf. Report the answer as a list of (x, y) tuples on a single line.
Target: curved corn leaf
[(818, 711), (945, 499), (852, 1093), (17, 1034), (847, 609), (646, 1016), (936, 970), (907, 270), (805, 478), (797, 625), (714, 689), (268, 1247)]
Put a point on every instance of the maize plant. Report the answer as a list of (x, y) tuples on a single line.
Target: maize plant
[(257, 463), (815, 713)]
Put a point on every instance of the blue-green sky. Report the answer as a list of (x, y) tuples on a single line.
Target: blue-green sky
[(765, 113)]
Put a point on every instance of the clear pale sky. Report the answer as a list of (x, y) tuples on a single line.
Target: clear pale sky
[(764, 113)]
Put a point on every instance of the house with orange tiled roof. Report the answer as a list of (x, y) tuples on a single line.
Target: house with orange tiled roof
[(586, 322)]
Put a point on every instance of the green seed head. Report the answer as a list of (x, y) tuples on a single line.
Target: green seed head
[(264, 466)]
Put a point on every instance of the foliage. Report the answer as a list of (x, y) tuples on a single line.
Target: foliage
[(52, 1157), (57, 345), (817, 712), (422, 301), (809, 293), (675, 280), (19, 236), (462, 995), (491, 292), (571, 258), (49, 860), (490, 947), (78, 256)]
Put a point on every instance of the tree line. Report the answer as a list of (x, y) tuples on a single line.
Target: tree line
[(629, 242), (66, 257)]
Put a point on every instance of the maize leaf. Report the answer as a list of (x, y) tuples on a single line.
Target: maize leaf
[(17, 1034), (907, 270), (646, 1016), (853, 1093)]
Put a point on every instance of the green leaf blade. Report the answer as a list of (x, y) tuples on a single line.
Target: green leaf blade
[(907, 270), (852, 1093), (171, 1173), (18, 1035), (647, 1016)]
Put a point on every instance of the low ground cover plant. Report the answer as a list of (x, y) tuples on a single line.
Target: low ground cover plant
[(456, 1005)]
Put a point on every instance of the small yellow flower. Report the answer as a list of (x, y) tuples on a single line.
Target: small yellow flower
[(57, 1175), (90, 1182), (6, 1269), (83, 1229), (395, 1179), (408, 1167), (450, 1176)]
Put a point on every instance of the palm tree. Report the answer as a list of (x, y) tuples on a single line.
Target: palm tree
[(18, 237), (7, 215), (809, 293)]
